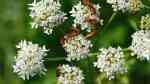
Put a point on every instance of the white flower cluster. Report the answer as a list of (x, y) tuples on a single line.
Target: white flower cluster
[(77, 47), (29, 60), (135, 5), (111, 61), (141, 44), (80, 13), (70, 75), (125, 5), (119, 4), (145, 22), (46, 14)]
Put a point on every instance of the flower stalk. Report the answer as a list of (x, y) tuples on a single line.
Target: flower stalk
[(110, 19)]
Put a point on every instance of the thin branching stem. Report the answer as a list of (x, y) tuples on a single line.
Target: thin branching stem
[(93, 54), (110, 19), (145, 6), (63, 58), (125, 49), (89, 66), (133, 25), (55, 59)]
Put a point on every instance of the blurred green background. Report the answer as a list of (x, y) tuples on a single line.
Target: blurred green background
[(14, 26)]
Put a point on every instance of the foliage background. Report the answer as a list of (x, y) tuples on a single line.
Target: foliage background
[(14, 26)]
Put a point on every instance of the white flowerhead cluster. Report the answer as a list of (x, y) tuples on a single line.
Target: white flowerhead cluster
[(125, 5), (70, 75), (77, 47), (29, 60), (46, 14), (141, 44), (119, 4), (111, 61), (135, 5), (145, 22), (80, 12)]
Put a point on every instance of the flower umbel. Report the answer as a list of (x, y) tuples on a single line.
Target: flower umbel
[(141, 44), (70, 75), (125, 5), (81, 13), (29, 60), (77, 47), (111, 62), (145, 22), (46, 14), (119, 4), (135, 5)]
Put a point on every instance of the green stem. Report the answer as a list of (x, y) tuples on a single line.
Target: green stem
[(110, 19), (93, 54), (89, 70), (125, 50), (63, 58), (133, 24), (90, 67), (145, 6), (55, 59)]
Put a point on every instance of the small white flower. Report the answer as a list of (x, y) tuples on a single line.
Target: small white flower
[(46, 14), (125, 5), (77, 47), (70, 75), (29, 60), (111, 62), (80, 13), (145, 22), (141, 44)]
